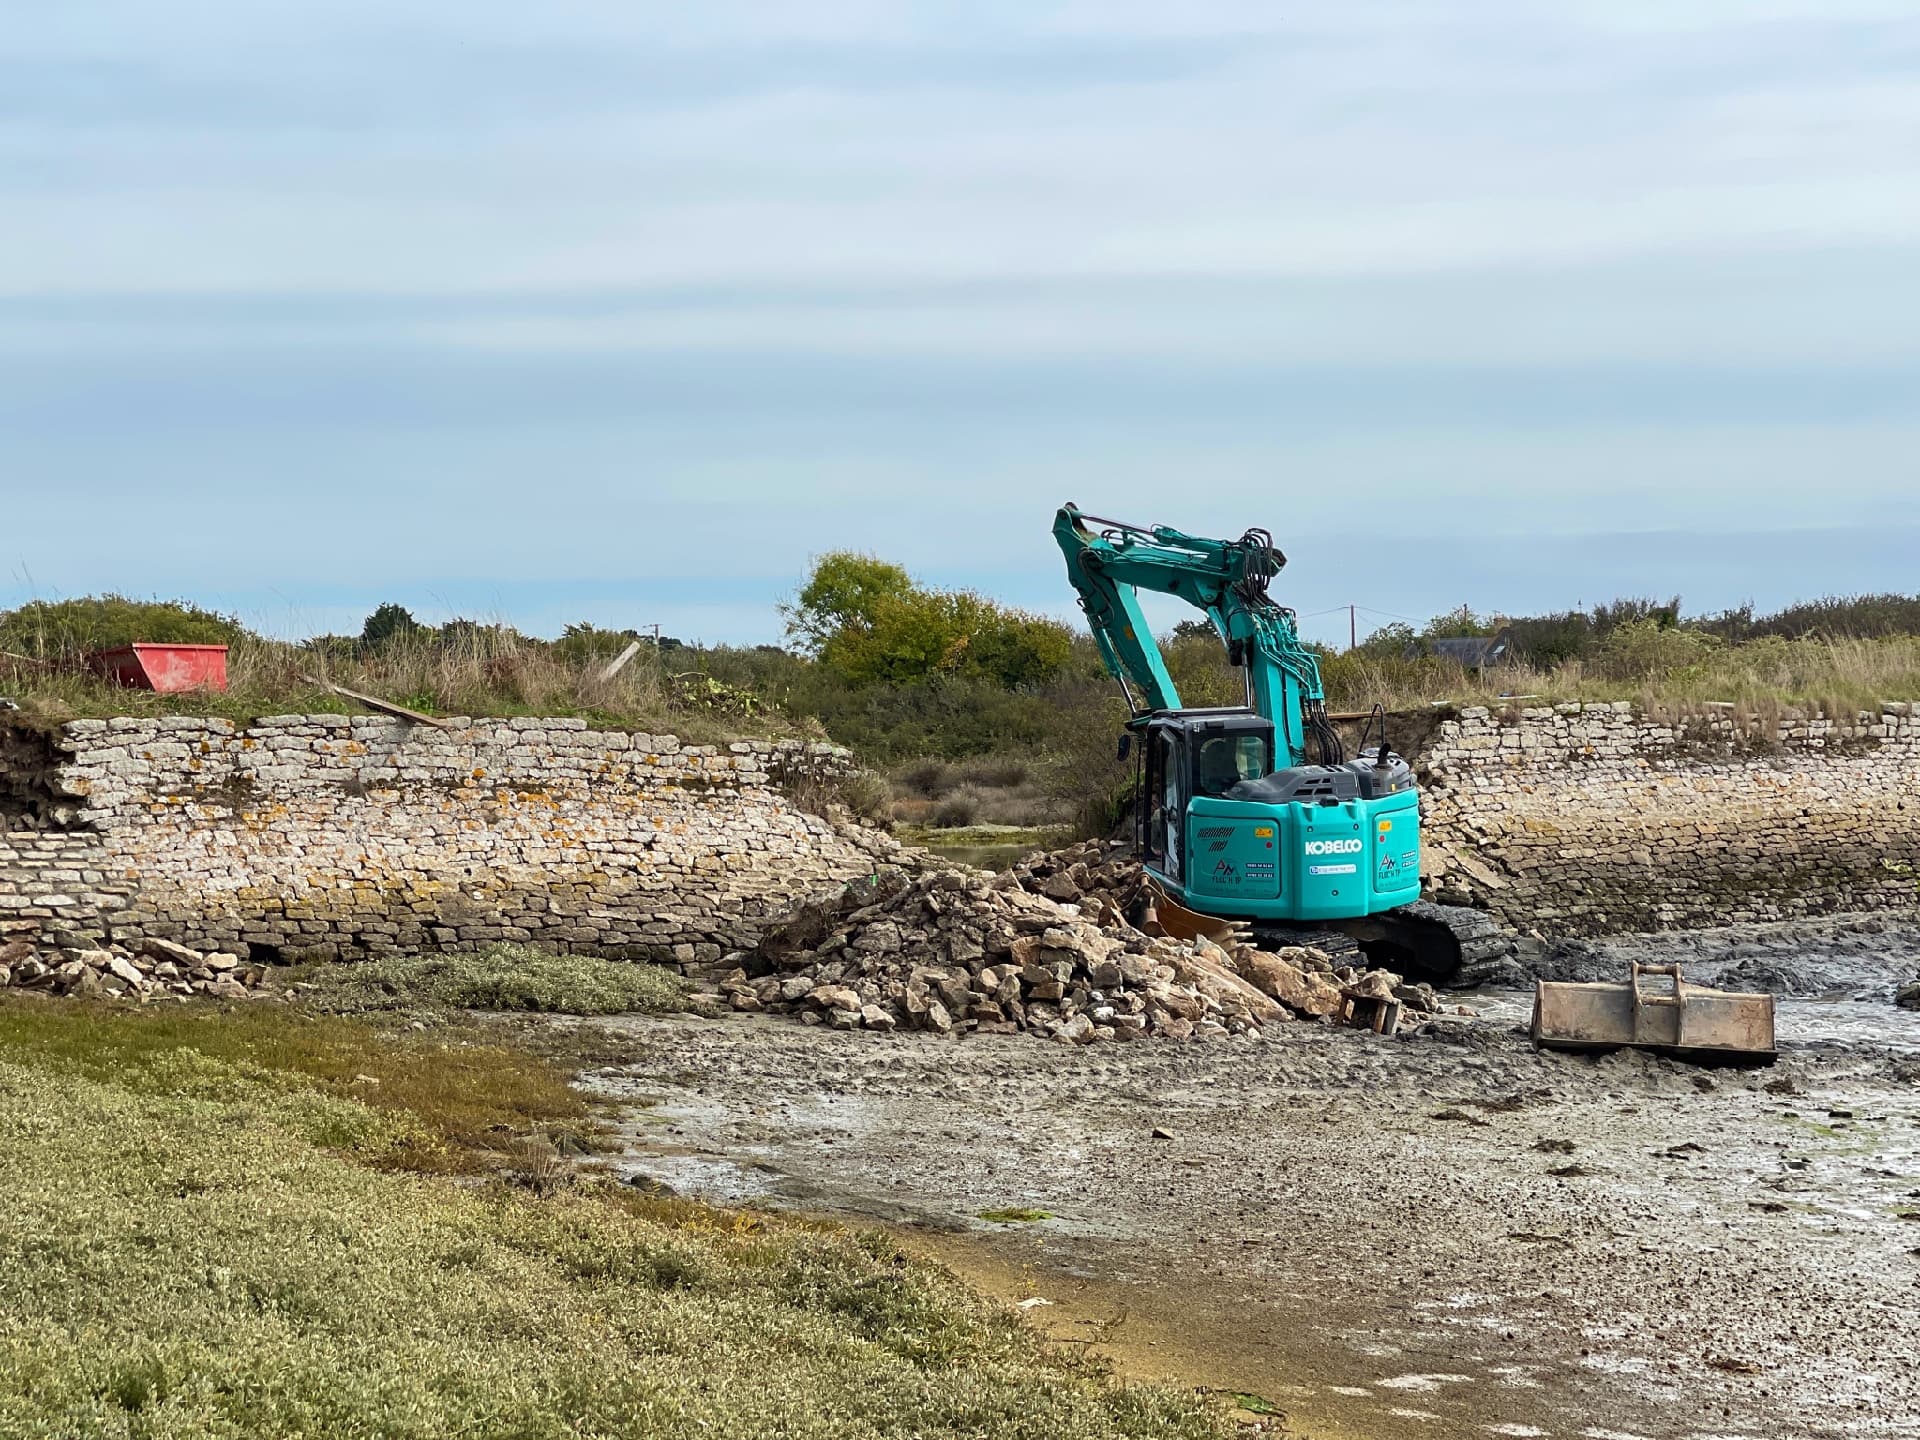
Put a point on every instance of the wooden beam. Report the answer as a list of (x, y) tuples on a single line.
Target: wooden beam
[(374, 702), (620, 661)]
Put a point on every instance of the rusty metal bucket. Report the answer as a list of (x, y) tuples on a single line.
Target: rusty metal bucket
[(1169, 917), (1691, 1021)]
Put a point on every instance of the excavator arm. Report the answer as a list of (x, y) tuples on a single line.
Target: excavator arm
[(1320, 840), (1227, 580)]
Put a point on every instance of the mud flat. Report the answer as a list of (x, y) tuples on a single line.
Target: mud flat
[(1440, 1235)]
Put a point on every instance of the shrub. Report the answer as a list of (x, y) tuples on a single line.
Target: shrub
[(387, 624), (1859, 617), (1197, 663), (586, 644), (957, 812), (1086, 778), (870, 623), (1547, 640), (997, 772), (62, 629), (1647, 650), (928, 778), (863, 794)]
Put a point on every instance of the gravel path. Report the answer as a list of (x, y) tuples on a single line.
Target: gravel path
[(1442, 1235)]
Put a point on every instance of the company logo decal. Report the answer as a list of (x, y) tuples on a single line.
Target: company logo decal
[(1334, 847)]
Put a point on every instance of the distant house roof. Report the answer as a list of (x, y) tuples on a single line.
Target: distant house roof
[(1475, 652)]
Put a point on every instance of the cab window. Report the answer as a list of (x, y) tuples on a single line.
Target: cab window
[(1225, 760)]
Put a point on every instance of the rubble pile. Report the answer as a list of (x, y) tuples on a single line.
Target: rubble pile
[(957, 951), (141, 970), (1091, 868)]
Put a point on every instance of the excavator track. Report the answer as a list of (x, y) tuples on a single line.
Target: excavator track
[(1440, 944)]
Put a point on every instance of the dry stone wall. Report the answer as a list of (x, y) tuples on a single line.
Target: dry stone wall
[(328, 835), (1597, 819)]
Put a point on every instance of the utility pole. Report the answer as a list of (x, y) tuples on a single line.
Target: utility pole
[(1353, 629)]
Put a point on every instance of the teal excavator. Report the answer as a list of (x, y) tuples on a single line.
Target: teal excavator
[(1255, 812)]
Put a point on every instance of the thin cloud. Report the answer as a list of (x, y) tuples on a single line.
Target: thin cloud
[(385, 299)]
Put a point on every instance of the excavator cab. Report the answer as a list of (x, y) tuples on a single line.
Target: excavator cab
[(1227, 833), (1194, 755)]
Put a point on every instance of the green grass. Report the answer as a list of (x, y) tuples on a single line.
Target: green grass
[(190, 1248), (501, 977), (449, 1098), (1837, 677), (1035, 835)]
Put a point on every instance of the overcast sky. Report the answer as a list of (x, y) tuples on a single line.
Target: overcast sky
[(623, 310)]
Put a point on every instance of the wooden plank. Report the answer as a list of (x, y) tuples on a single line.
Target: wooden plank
[(620, 661), (374, 702)]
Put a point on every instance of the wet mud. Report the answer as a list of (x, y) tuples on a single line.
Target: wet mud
[(1449, 1234)]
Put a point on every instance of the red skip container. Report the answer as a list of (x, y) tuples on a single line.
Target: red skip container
[(166, 668)]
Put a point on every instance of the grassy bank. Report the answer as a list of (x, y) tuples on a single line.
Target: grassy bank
[(480, 671), (1674, 672), (501, 977), (244, 1224)]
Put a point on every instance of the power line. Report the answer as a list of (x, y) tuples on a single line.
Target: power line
[(1390, 614)]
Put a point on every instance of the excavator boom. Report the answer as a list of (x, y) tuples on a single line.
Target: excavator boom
[(1255, 812), (1227, 580)]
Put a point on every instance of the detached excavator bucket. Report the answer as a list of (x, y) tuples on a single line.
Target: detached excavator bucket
[(1690, 1021)]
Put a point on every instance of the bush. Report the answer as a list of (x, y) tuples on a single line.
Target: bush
[(995, 772), (63, 629), (957, 812), (1092, 786), (1859, 617), (386, 625), (1357, 679), (863, 794), (1647, 650), (1197, 663), (1547, 640), (930, 779), (870, 623), (586, 644)]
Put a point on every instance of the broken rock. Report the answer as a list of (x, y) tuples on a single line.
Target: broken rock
[(169, 950), (954, 951)]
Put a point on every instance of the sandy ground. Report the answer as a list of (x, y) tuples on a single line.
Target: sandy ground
[(1448, 1234)]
